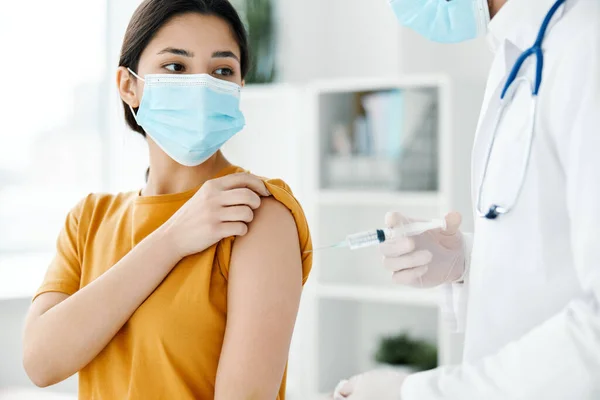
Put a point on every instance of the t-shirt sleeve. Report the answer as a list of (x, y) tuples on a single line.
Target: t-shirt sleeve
[(282, 193), (64, 273)]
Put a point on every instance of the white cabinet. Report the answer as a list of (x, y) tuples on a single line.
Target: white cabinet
[(353, 301)]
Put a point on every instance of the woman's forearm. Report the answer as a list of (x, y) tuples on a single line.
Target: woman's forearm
[(61, 339)]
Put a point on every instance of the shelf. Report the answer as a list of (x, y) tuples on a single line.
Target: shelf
[(380, 198), (371, 84), (399, 295)]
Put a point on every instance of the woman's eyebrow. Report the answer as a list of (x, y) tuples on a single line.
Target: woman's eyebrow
[(225, 54), (179, 52)]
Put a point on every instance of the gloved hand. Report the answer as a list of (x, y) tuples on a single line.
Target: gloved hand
[(430, 259), (380, 384)]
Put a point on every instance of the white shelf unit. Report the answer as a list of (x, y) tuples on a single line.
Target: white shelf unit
[(376, 197), (353, 302), (374, 294)]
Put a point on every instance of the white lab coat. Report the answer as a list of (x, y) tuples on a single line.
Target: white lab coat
[(533, 286)]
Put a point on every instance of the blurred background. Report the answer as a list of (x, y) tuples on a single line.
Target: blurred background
[(357, 114)]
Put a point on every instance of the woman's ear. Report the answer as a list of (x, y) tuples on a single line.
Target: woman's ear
[(243, 82), (127, 85)]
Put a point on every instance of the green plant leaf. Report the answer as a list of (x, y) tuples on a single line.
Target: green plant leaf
[(258, 18), (403, 350)]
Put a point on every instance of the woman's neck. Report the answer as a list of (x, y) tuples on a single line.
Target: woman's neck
[(167, 177), (495, 6)]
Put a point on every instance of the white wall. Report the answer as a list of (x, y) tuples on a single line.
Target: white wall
[(12, 374), (336, 39), (13, 314), (130, 156)]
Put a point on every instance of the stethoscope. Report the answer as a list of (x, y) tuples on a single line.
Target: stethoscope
[(508, 92)]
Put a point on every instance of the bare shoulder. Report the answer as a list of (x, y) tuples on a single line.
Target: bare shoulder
[(273, 215), (272, 235)]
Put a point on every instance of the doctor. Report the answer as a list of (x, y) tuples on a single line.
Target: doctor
[(528, 280)]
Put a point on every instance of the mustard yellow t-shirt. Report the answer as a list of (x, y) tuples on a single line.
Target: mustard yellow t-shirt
[(170, 347)]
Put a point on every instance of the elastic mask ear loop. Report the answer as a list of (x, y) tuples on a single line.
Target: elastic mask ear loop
[(143, 80), (133, 112), (136, 75)]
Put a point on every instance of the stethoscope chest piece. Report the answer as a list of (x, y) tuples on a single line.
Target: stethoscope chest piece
[(493, 212)]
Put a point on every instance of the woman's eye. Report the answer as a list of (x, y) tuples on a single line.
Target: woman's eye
[(174, 67), (224, 72)]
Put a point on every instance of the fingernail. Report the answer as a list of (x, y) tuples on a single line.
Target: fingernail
[(453, 221)]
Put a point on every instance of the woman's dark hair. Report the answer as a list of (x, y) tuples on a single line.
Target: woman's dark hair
[(151, 15)]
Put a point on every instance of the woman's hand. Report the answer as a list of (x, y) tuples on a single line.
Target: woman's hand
[(221, 208)]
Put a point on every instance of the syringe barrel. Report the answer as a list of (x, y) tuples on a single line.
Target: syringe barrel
[(365, 239), (415, 228)]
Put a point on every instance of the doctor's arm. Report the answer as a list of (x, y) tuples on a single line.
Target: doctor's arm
[(560, 359), (265, 284)]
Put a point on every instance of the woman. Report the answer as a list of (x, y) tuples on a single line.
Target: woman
[(149, 295)]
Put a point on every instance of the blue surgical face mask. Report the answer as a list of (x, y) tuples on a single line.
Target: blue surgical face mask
[(445, 21), (189, 116)]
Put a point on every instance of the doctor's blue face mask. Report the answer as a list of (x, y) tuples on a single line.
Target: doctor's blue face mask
[(445, 21), (189, 116)]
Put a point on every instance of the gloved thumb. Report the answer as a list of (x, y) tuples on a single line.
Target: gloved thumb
[(344, 389), (453, 221), (450, 237), (393, 219)]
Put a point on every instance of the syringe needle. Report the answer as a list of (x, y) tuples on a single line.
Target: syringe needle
[(341, 244), (377, 236)]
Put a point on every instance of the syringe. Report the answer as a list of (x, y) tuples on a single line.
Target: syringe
[(377, 236)]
